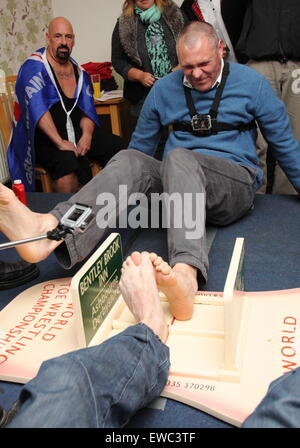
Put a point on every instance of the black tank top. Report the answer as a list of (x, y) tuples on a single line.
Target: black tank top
[(57, 112)]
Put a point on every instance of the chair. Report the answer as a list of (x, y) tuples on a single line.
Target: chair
[(5, 119), (10, 82), (6, 114)]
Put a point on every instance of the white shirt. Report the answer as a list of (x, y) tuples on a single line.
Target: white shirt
[(211, 11)]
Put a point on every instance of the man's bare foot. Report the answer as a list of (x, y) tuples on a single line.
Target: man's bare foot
[(179, 284), (18, 222), (139, 290)]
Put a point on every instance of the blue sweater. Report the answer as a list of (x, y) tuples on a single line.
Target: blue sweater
[(247, 95)]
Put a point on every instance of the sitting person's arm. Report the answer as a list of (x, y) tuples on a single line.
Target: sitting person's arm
[(84, 144), (46, 124)]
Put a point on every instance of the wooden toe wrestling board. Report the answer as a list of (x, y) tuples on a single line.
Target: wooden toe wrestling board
[(222, 360)]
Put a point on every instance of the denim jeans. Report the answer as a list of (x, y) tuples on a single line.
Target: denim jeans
[(280, 408), (96, 387), (225, 189)]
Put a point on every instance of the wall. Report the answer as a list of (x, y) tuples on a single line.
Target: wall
[(23, 24), (92, 27), (22, 29), (93, 22)]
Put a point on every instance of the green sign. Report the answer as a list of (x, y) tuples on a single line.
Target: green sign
[(98, 288)]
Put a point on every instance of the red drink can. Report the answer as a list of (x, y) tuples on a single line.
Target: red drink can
[(19, 190)]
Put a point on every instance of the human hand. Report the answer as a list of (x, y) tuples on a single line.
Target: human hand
[(65, 145), (147, 79), (83, 145)]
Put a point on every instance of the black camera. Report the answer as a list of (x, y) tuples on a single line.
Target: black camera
[(201, 122)]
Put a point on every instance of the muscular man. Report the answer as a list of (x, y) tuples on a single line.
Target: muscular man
[(57, 119), (210, 164)]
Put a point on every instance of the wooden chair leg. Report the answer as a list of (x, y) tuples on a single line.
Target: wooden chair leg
[(46, 183), (95, 168), (42, 175)]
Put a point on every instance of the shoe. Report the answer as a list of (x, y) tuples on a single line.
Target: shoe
[(16, 273)]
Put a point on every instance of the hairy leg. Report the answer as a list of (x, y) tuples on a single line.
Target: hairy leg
[(66, 184), (18, 222)]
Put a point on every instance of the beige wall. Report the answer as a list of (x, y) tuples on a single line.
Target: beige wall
[(93, 22), (23, 24)]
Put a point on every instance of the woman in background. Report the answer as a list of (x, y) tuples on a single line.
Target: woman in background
[(144, 45)]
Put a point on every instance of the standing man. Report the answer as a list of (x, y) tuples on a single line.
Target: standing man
[(226, 16), (57, 119), (270, 41)]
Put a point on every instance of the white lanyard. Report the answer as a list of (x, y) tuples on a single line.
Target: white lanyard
[(211, 10), (69, 124)]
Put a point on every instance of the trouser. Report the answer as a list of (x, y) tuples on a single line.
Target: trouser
[(88, 389), (280, 408), (220, 190), (61, 163), (284, 78)]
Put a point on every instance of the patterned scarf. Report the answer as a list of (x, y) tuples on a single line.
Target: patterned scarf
[(155, 41)]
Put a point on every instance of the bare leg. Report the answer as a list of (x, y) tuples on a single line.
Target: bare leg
[(139, 290), (18, 222), (66, 184), (179, 284)]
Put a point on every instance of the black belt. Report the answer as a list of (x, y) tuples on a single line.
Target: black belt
[(186, 126)]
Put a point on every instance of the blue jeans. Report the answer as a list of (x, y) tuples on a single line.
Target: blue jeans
[(97, 387), (280, 408)]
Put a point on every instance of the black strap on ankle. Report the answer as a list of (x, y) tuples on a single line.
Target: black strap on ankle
[(59, 233)]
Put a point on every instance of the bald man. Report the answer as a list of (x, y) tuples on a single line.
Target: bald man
[(57, 119)]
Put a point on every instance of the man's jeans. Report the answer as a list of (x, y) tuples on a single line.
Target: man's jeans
[(105, 385), (220, 190), (281, 406), (96, 387)]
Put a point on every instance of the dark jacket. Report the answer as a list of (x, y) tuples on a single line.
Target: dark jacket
[(233, 12), (129, 47), (271, 30)]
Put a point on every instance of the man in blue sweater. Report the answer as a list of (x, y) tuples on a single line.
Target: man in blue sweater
[(210, 164)]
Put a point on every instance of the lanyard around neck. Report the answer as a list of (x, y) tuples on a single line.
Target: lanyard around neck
[(69, 124)]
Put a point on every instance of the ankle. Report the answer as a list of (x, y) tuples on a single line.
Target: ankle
[(187, 272)]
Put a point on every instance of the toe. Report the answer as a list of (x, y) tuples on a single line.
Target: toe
[(136, 258)]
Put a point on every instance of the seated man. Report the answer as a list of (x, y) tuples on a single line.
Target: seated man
[(210, 164), (57, 119)]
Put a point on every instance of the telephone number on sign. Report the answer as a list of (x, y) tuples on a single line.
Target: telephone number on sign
[(190, 385)]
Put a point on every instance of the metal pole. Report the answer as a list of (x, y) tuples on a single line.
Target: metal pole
[(17, 243)]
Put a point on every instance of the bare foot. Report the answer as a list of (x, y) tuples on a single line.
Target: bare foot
[(18, 222), (179, 284), (139, 290)]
